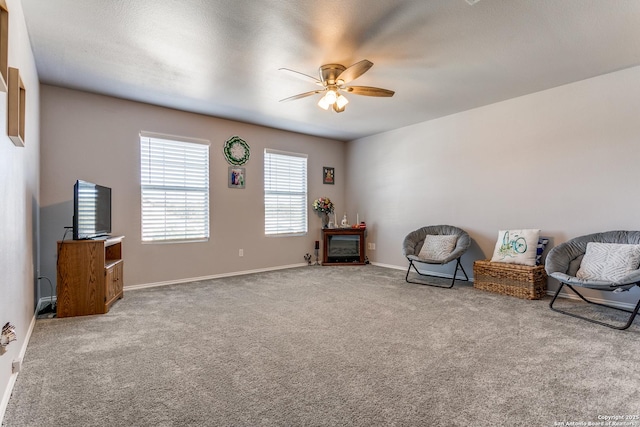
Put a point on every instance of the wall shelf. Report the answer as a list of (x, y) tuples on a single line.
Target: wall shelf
[(17, 96)]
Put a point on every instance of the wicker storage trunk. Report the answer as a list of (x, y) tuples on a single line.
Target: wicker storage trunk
[(510, 279)]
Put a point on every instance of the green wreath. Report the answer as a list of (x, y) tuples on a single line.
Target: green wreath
[(236, 151)]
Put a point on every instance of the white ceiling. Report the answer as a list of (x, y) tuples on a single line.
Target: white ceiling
[(221, 57)]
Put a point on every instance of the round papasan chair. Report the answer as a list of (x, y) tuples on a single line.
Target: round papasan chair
[(412, 246), (565, 261)]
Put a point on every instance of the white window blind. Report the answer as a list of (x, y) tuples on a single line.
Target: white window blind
[(285, 193), (175, 189)]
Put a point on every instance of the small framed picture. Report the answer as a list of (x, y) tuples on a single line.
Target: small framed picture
[(236, 177), (328, 175)]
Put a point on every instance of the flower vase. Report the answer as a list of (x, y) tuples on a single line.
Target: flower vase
[(325, 219)]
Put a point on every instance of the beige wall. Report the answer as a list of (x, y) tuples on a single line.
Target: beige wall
[(19, 181), (95, 138), (562, 160)]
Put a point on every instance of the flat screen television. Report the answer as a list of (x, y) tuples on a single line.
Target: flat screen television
[(91, 210)]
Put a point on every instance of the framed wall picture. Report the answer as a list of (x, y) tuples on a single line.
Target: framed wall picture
[(328, 175), (236, 177)]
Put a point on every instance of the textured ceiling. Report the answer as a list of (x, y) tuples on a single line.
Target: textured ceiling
[(221, 57)]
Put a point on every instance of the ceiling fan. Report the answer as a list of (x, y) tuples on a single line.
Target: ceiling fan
[(334, 79)]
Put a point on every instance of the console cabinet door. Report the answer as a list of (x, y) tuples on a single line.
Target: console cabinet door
[(113, 283)]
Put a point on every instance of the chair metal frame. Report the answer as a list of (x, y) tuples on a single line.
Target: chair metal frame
[(455, 273), (633, 312)]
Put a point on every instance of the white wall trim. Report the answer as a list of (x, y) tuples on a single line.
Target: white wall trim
[(215, 276), (394, 267), (12, 379), (431, 273), (618, 304)]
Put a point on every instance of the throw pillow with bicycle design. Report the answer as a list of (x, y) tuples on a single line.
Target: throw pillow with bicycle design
[(516, 246)]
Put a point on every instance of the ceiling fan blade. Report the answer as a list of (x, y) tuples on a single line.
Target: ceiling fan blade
[(302, 76), (369, 91), (301, 95), (355, 71)]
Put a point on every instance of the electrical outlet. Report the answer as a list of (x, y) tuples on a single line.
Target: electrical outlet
[(241, 252), (371, 246)]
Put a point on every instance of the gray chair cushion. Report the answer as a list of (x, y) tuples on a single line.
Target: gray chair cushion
[(564, 260), (414, 240)]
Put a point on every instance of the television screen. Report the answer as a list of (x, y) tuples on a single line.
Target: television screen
[(91, 210)]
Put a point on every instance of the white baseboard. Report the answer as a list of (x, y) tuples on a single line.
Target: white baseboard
[(431, 273), (395, 267), (215, 276), (12, 379), (618, 304)]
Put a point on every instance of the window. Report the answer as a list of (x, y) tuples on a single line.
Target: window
[(285, 193), (175, 188)]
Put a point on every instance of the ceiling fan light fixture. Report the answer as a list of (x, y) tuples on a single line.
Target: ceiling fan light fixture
[(337, 109), (341, 101), (331, 96), (323, 103), (333, 79)]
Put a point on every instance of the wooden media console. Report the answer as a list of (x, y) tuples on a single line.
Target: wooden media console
[(89, 276)]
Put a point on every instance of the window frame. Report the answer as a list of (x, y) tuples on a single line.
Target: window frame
[(304, 208), (203, 192)]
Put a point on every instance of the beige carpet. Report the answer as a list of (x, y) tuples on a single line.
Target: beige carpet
[(325, 346)]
